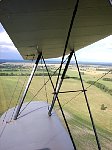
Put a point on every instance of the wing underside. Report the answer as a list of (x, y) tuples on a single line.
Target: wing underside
[(40, 25)]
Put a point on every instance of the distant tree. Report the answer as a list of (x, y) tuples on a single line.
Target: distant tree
[(103, 107)]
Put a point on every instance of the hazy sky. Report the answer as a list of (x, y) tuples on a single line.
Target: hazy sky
[(100, 51), (7, 48)]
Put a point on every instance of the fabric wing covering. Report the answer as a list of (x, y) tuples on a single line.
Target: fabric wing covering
[(42, 25)]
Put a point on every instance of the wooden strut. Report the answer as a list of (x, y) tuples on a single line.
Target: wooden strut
[(60, 83), (27, 86)]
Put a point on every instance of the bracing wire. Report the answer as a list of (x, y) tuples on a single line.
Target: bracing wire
[(10, 105), (18, 98), (67, 39), (48, 74), (45, 84), (11, 99), (3, 130), (87, 87), (12, 95), (41, 88), (46, 92), (93, 125), (20, 92), (64, 52), (66, 44), (66, 123), (99, 147)]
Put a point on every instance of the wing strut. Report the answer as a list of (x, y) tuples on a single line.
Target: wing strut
[(60, 83), (57, 91), (67, 126), (89, 110), (27, 86)]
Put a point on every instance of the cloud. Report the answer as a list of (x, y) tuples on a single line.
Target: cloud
[(4, 37), (7, 48), (10, 48), (9, 53)]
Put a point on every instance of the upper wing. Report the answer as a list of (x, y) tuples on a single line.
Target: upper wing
[(42, 25)]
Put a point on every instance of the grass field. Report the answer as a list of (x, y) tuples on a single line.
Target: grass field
[(76, 110)]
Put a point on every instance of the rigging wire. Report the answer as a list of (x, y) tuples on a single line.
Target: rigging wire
[(64, 52), (86, 90), (65, 120), (11, 100), (20, 91), (12, 95), (18, 98), (45, 83), (41, 88), (98, 144), (87, 87), (67, 40), (48, 73), (10, 105), (3, 130), (66, 44)]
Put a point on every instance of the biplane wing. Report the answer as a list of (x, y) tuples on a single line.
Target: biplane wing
[(34, 130), (47, 28), (40, 25)]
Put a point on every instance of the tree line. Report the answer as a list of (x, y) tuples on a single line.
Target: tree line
[(101, 86), (27, 74)]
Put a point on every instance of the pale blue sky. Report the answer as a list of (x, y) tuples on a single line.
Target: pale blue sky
[(100, 51)]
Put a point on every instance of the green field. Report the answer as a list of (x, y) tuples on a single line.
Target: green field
[(76, 110)]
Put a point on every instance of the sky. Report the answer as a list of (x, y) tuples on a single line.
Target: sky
[(100, 51), (7, 48)]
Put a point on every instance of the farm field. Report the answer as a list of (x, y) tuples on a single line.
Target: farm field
[(74, 105)]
